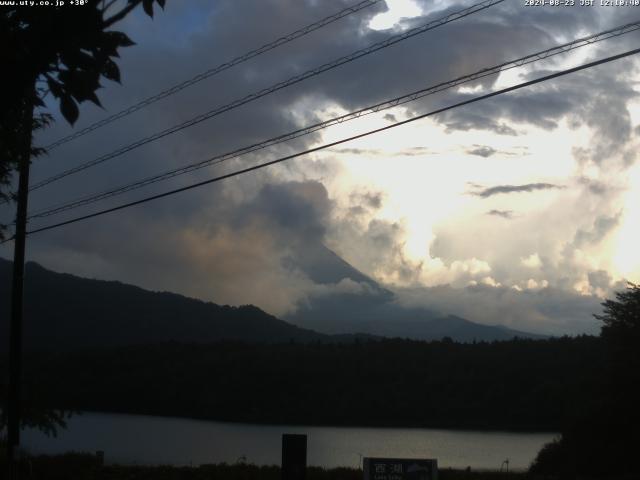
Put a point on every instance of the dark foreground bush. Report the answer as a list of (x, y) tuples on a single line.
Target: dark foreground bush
[(603, 445), (79, 466)]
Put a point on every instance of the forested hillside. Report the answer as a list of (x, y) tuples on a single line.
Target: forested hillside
[(521, 384)]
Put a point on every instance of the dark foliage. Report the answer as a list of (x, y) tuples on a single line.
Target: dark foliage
[(283, 374), (10, 149), (602, 441), (79, 466), (63, 51), (522, 384), (621, 333), (67, 48)]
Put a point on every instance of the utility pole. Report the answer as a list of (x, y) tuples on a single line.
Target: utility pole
[(17, 287)]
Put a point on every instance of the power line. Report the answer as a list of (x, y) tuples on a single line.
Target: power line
[(278, 86), (12, 237), (214, 71), (217, 159), (339, 142)]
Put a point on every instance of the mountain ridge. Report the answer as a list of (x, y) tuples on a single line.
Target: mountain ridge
[(70, 312), (376, 310)]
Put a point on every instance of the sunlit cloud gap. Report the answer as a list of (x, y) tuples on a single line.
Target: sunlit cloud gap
[(398, 10)]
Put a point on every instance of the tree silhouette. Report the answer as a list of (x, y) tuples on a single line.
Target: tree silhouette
[(621, 331), (62, 51), (602, 441)]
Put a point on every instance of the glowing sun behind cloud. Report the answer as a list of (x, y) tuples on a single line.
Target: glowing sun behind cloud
[(425, 171)]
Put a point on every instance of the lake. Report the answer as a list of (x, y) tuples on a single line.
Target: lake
[(137, 439)]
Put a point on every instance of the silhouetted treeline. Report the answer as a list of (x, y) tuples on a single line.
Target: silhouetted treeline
[(520, 384), (601, 439)]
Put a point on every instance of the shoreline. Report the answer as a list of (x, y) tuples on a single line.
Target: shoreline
[(267, 423)]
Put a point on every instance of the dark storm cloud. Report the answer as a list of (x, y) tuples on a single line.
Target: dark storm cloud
[(216, 39), (540, 109), (596, 98), (599, 279), (297, 208), (357, 151), (470, 121), (482, 151), (371, 200), (473, 43), (595, 187), (391, 74), (416, 152), (410, 152), (610, 120), (602, 226), (507, 214), (486, 151), (233, 254), (500, 189)]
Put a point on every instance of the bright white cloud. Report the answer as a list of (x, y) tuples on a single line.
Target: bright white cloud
[(397, 11), (532, 261), (626, 249)]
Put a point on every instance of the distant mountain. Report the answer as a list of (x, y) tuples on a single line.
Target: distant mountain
[(63, 311), (367, 307), (353, 313)]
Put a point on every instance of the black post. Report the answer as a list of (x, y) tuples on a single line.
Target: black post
[(294, 457), (15, 333)]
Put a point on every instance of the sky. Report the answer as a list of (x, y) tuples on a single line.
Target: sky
[(521, 210)]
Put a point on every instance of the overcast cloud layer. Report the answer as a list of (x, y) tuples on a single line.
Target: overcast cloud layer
[(517, 210)]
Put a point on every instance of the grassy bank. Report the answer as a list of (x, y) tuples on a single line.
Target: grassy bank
[(87, 467)]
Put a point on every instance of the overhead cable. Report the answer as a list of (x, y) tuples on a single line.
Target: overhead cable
[(214, 71), (220, 158), (274, 88), (339, 142)]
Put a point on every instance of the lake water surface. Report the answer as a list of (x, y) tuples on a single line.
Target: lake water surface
[(137, 439)]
